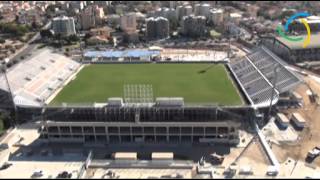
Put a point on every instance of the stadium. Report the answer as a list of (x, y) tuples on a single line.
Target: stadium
[(127, 99)]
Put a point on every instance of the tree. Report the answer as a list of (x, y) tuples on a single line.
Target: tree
[(2, 41), (46, 33), (87, 36), (35, 25), (73, 38)]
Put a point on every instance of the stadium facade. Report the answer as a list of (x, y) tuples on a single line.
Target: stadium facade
[(138, 124)]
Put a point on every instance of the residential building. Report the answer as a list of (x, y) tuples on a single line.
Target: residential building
[(63, 25)]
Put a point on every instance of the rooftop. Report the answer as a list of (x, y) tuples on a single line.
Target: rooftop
[(314, 42), (310, 19)]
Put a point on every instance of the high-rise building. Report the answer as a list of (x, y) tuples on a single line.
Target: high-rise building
[(63, 25), (157, 28), (194, 26), (217, 16), (168, 13), (87, 18), (151, 28), (162, 27), (185, 10), (76, 5), (93, 15), (128, 22), (99, 15), (202, 10)]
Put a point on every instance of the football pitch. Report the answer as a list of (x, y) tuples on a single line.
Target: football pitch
[(196, 83)]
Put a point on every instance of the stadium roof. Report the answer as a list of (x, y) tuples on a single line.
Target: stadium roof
[(119, 54), (314, 42)]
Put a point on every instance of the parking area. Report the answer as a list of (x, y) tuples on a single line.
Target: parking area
[(25, 169)]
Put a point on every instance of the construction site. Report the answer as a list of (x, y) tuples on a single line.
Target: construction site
[(273, 133)]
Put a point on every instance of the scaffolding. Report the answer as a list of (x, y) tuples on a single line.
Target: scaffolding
[(138, 93)]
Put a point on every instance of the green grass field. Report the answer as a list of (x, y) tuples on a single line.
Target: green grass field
[(96, 83)]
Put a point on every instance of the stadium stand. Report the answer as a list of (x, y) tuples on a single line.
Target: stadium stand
[(128, 114), (116, 55), (34, 80), (256, 72), (133, 124)]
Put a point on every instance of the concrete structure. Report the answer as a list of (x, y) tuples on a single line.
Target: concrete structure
[(128, 22), (157, 28), (194, 26), (170, 102), (298, 121), (115, 102), (63, 25), (125, 156), (294, 51), (282, 121), (162, 156)]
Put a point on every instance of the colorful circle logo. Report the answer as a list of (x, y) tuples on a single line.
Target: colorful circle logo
[(286, 27)]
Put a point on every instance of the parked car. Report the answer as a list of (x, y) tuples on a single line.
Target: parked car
[(37, 173), (214, 159), (313, 154), (5, 166), (64, 175)]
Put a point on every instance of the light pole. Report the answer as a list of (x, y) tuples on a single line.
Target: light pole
[(273, 89)]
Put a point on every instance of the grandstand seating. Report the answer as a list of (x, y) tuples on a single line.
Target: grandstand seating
[(256, 72), (34, 80)]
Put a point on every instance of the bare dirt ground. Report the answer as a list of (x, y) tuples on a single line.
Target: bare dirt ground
[(309, 137)]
